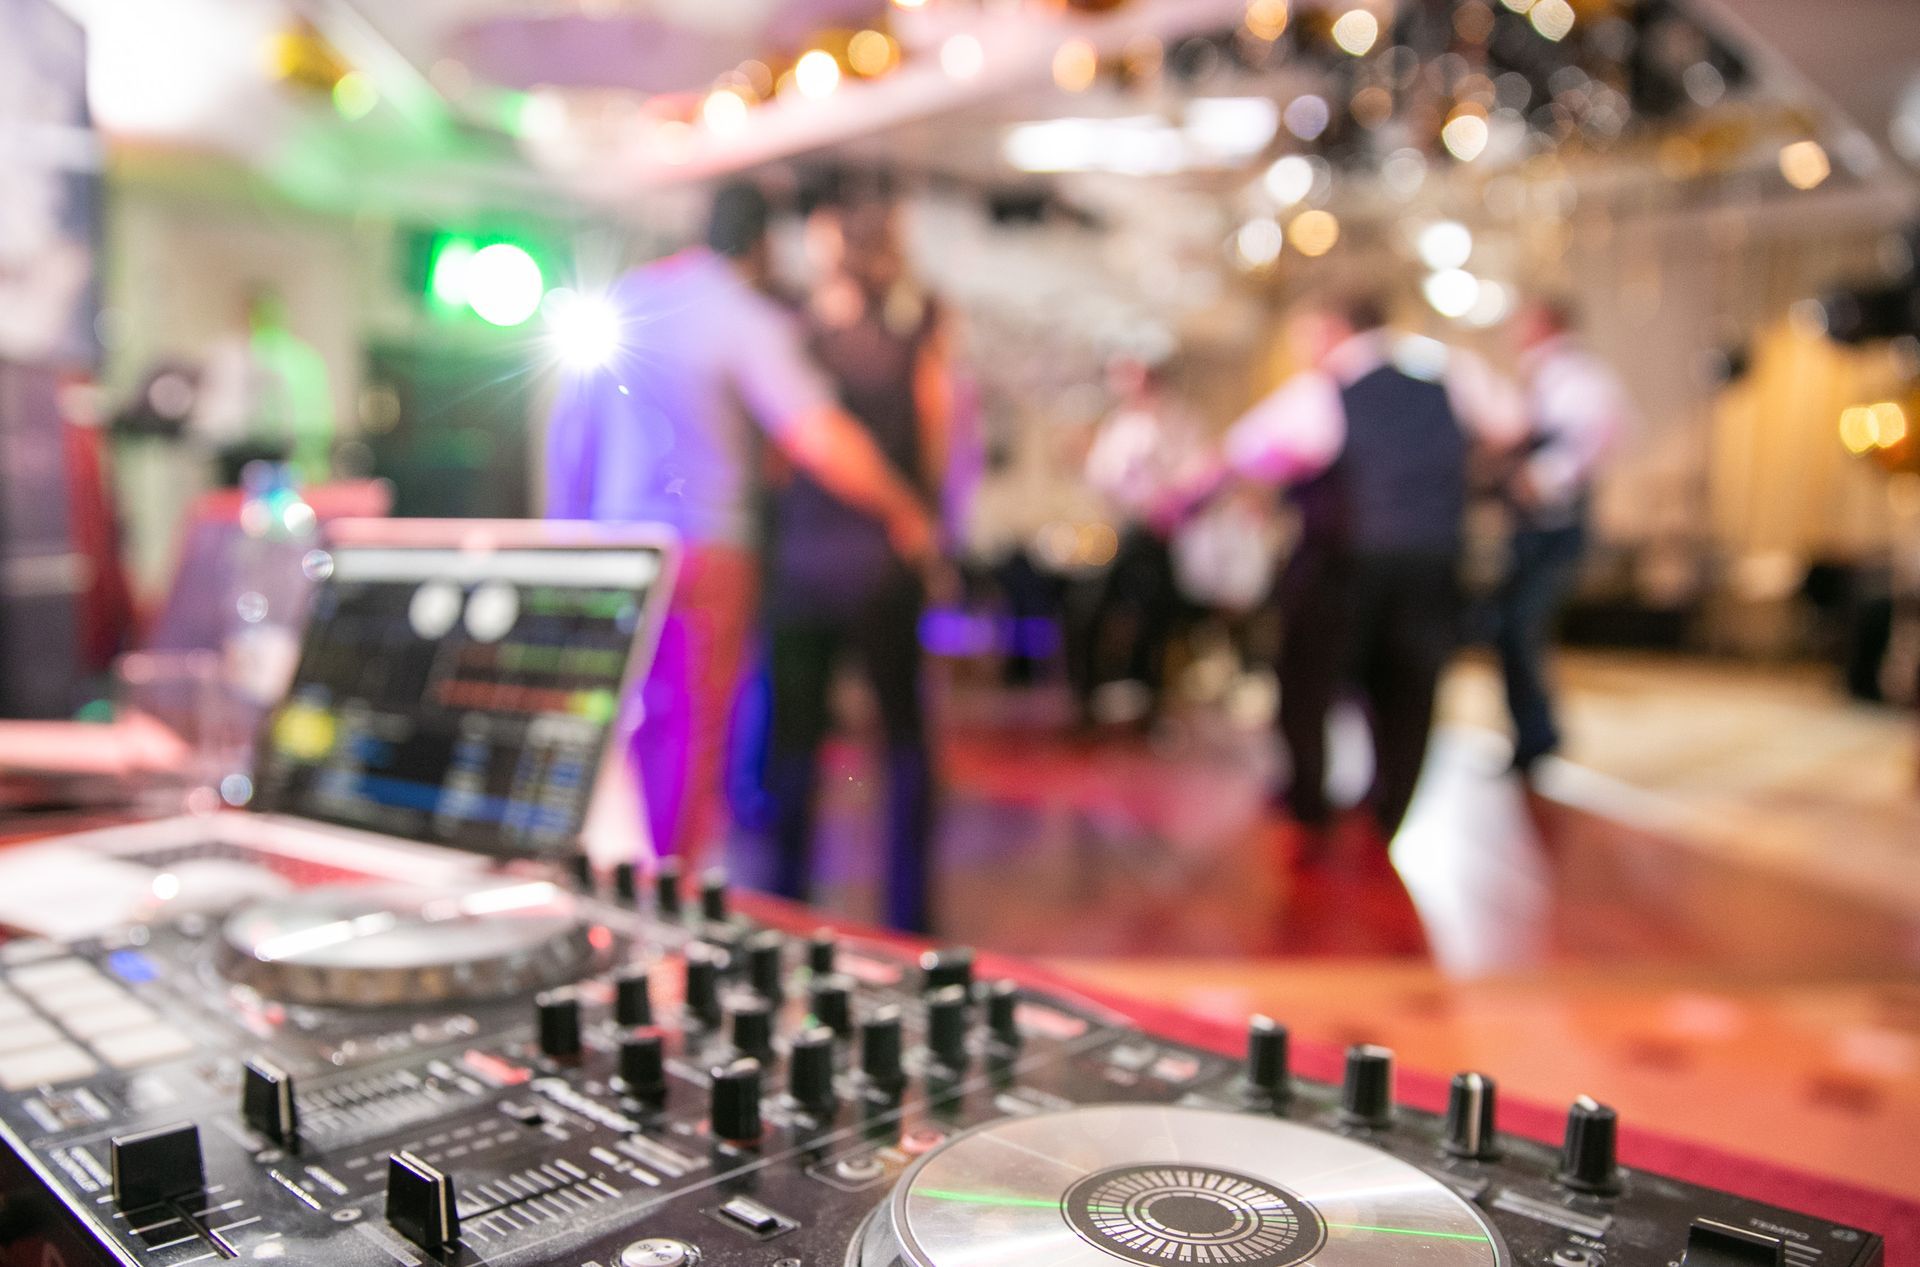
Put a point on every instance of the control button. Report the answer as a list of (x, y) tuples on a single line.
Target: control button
[(822, 949), (703, 986), (810, 1072), (880, 1054), (13, 1009), (1588, 1160), (657, 1251), (643, 1066), (1366, 1094), (138, 1048), (947, 1026), (922, 1140), (862, 1169), (42, 1066), (151, 1166), (666, 888), (1268, 1062), (734, 1113), (625, 884), (767, 965), (1003, 1013), (421, 1203), (54, 976), (751, 1029), (112, 1018), (713, 896), (31, 1033), (830, 1003), (633, 996), (580, 867), (953, 966), (1470, 1111), (559, 1022), (267, 1103), (1712, 1244), (752, 1216)]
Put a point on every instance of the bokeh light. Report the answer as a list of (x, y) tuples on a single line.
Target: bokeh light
[(355, 95), (503, 284), (1355, 31), (1290, 179), (584, 330), (1307, 116), (1451, 292), (724, 112), (1465, 134), (871, 54), (961, 57), (1444, 244), (1805, 164), (1552, 18), (1075, 66), (816, 74), (1258, 243), (1314, 233)]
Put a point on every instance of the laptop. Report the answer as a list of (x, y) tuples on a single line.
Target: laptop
[(460, 704)]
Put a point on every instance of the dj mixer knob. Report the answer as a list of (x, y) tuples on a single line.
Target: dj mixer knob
[(810, 1072), (633, 996), (666, 888), (713, 896), (767, 965), (823, 948), (1588, 1158), (149, 1166), (953, 966), (750, 1027), (1366, 1094), (947, 1016), (558, 1015), (1268, 1059), (626, 885), (1470, 1118), (734, 1112), (1003, 1013), (643, 1066), (830, 1002), (267, 1103), (580, 867), (881, 1062), (703, 986), (421, 1204)]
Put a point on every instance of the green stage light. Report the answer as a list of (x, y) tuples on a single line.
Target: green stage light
[(503, 284), (447, 274)]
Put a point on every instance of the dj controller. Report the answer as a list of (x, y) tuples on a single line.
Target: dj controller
[(535, 1069)]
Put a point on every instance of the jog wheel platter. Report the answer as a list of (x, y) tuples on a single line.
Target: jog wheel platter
[(1160, 1186), (357, 946)]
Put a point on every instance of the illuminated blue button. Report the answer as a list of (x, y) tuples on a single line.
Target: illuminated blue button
[(132, 967)]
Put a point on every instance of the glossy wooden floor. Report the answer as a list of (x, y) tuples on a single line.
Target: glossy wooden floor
[(1591, 946)]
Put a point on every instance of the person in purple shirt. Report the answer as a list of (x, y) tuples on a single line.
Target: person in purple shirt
[(663, 433)]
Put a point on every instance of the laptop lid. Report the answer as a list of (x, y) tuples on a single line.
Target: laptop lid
[(460, 682)]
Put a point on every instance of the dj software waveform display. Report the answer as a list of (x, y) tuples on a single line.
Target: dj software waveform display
[(456, 697)]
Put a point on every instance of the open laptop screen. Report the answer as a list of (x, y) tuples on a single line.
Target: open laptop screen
[(460, 696)]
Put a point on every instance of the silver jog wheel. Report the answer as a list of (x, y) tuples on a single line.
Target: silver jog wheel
[(1169, 1186), (374, 946)]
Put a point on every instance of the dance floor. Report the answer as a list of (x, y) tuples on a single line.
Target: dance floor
[(1543, 938)]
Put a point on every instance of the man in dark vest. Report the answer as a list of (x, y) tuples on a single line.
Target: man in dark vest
[(1372, 439)]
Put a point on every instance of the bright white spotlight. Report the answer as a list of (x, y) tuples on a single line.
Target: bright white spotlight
[(1444, 244), (584, 329)]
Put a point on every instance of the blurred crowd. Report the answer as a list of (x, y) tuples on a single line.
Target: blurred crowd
[(813, 450)]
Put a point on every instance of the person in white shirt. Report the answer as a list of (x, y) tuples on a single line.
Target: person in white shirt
[(1144, 452), (1373, 442), (1575, 407)]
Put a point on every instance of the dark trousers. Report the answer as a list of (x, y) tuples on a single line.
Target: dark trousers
[(883, 636), (1384, 624), (1544, 565), (1130, 618)]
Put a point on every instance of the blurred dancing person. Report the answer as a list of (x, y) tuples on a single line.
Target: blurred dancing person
[(1372, 440), (1145, 452), (837, 587), (662, 433), (1575, 407)]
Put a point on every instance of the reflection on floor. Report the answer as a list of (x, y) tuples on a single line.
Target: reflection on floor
[(1617, 933)]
